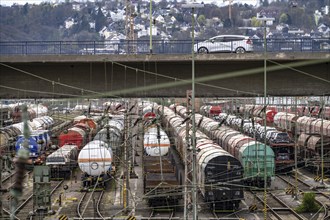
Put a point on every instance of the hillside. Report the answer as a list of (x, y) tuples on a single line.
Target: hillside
[(72, 21)]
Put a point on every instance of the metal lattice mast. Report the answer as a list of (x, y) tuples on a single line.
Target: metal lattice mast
[(188, 162), (129, 27)]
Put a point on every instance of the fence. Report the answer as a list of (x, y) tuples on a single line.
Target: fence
[(158, 47)]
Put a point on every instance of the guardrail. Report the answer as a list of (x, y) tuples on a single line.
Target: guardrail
[(158, 47)]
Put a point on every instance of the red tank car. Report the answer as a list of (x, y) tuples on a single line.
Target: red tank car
[(79, 135)]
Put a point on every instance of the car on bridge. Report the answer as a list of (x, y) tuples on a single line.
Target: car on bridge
[(225, 43)]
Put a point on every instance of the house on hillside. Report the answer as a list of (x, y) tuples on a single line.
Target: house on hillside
[(68, 23), (77, 6)]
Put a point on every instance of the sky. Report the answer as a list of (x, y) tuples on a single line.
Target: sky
[(218, 2)]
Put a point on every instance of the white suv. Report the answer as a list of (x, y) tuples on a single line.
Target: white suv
[(225, 43)]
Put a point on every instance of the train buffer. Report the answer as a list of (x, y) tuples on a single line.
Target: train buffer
[(131, 217), (63, 217), (317, 178), (253, 208)]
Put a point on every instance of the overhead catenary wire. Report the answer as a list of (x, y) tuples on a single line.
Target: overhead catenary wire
[(145, 88), (37, 91), (175, 78), (300, 71), (48, 80)]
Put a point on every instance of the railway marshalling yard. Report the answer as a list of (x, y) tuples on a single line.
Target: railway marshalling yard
[(69, 201)]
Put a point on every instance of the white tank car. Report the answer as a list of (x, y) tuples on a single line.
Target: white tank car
[(116, 131), (151, 145), (95, 158)]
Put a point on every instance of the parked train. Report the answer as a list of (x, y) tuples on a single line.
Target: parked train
[(247, 150), (300, 110), (311, 133), (258, 112), (115, 128), (279, 141), (160, 176), (95, 161), (80, 133), (210, 110), (219, 174), (9, 134), (33, 111), (63, 161)]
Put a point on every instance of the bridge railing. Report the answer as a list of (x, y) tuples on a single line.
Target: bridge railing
[(158, 47)]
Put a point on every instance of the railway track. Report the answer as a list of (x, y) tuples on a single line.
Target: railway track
[(321, 197), (231, 216), (89, 205), (162, 214), (26, 204), (276, 207)]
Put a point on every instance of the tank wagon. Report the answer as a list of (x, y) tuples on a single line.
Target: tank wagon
[(95, 161), (279, 141), (10, 134), (115, 128), (160, 176), (80, 133), (33, 111), (219, 174), (247, 150), (63, 161), (96, 158), (160, 180), (38, 143)]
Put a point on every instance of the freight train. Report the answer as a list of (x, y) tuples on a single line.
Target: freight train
[(247, 150), (9, 134), (33, 111), (160, 178), (258, 113), (115, 128), (300, 110), (279, 141), (63, 161), (210, 110), (310, 133), (96, 158), (95, 161), (219, 174), (80, 133)]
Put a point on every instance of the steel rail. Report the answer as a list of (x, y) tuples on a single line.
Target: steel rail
[(314, 190), (98, 205), (31, 196), (79, 205)]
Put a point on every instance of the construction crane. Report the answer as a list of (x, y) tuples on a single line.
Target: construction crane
[(229, 7), (129, 27)]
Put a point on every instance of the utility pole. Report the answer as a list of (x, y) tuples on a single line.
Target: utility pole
[(187, 164), (229, 7), (150, 32), (264, 19), (126, 173), (193, 6), (322, 148)]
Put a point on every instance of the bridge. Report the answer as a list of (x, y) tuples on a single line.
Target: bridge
[(163, 75)]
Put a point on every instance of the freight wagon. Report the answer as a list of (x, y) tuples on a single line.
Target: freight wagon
[(248, 151), (219, 174)]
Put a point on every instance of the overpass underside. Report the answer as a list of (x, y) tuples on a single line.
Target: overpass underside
[(218, 75)]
